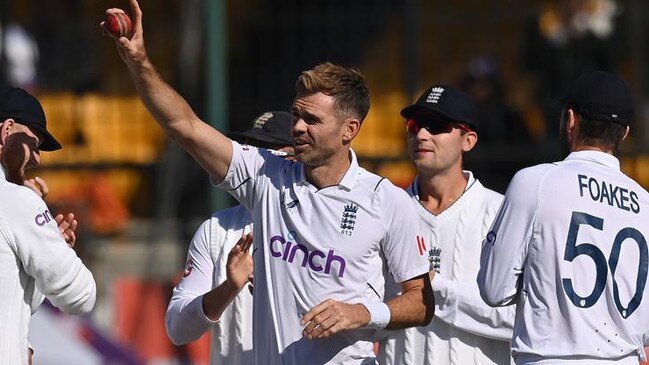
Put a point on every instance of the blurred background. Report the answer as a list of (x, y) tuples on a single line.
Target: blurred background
[(139, 198)]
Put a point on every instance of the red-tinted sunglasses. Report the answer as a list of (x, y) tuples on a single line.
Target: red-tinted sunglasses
[(413, 126)]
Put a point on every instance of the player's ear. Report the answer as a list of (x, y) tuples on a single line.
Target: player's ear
[(352, 127), (5, 129), (571, 121), (470, 140)]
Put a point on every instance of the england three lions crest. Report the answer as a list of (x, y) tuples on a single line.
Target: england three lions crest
[(348, 220)]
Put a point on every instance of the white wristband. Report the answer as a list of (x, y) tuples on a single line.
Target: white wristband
[(379, 314)]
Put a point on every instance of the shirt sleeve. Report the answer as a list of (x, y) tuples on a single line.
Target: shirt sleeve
[(401, 246), (45, 256), (185, 319), (461, 307), (245, 172), (504, 250)]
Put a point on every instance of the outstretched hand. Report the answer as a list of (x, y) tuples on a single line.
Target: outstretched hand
[(239, 265), (132, 50)]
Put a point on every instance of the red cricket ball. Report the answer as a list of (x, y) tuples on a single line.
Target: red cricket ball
[(118, 24)]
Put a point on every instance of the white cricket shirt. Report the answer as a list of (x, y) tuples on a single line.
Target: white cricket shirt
[(464, 330), (34, 258), (231, 340), (317, 244), (569, 245)]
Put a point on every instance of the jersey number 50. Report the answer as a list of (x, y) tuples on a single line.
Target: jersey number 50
[(573, 250)]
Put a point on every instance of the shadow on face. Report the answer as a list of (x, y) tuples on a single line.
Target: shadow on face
[(19, 154)]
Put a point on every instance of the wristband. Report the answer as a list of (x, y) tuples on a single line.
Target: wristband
[(379, 314)]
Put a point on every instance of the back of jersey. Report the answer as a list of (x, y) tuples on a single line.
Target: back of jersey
[(586, 271)]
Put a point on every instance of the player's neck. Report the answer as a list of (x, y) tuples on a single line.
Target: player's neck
[(439, 191), (330, 173), (579, 148)]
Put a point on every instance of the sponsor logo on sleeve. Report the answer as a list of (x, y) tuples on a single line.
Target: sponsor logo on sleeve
[(43, 218)]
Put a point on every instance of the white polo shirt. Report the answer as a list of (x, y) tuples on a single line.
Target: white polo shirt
[(464, 329), (34, 259), (207, 256), (569, 245), (317, 244)]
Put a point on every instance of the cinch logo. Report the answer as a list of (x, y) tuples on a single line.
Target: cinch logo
[(317, 260), (43, 218)]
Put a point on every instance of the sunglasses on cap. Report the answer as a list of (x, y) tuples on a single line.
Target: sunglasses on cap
[(413, 126)]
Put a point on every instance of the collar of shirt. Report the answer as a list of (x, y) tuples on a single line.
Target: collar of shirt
[(598, 157), (349, 179), (3, 174), (414, 186)]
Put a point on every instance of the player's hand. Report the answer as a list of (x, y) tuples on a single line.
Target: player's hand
[(67, 226), (331, 317), (132, 50), (239, 265), (38, 185)]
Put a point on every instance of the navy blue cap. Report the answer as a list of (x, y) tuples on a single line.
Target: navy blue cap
[(270, 127), (601, 96), (442, 102), (18, 104)]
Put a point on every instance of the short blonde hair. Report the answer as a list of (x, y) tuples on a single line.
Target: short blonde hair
[(346, 85)]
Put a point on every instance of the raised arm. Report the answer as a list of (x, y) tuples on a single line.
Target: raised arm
[(210, 148)]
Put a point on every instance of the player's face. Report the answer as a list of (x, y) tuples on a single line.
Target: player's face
[(318, 133), (19, 151), (435, 147)]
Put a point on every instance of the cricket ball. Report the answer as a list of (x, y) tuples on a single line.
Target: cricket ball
[(118, 24)]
